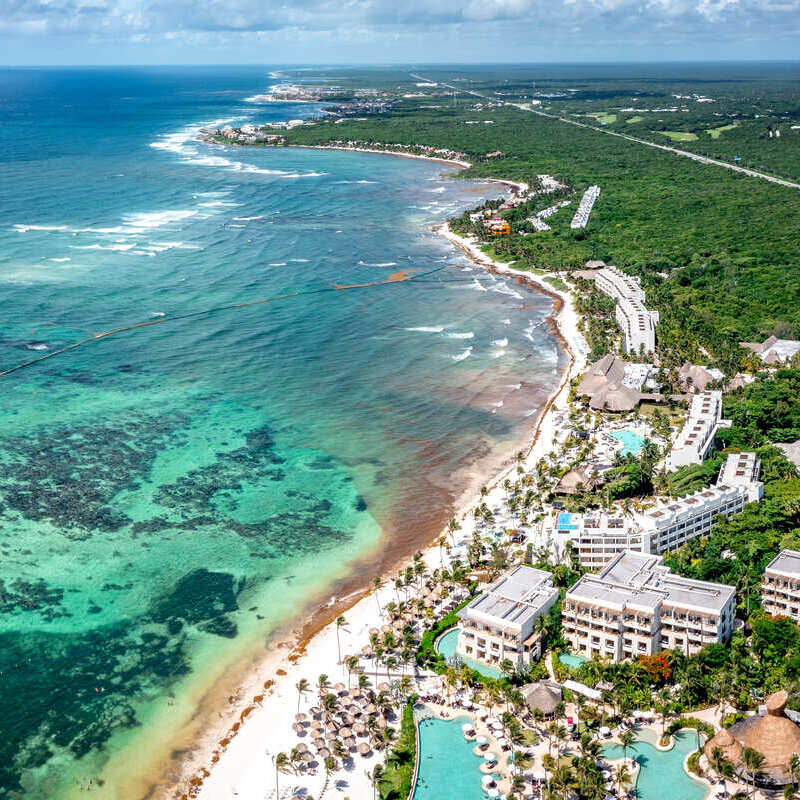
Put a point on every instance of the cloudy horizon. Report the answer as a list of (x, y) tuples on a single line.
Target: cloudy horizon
[(91, 32)]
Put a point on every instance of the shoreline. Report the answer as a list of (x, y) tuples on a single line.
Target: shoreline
[(214, 761)]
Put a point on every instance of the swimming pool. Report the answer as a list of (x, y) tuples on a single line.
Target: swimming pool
[(446, 646), (447, 765), (565, 522), (632, 442), (661, 774), (572, 661)]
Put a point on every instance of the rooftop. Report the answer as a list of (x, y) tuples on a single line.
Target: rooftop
[(513, 599), (787, 562), (642, 581)]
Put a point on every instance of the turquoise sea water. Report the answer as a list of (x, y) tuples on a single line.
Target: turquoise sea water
[(662, 776), (447, 765), (446, 645), (170, 495)]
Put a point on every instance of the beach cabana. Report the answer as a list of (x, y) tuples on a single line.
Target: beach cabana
[(772, 734), (544, 695)]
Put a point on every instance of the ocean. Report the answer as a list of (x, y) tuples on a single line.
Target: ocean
[(171, 495)]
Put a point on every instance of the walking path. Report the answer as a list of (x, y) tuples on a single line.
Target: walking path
[(686, 153)]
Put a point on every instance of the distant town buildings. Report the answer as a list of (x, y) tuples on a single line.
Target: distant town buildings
[(636, 606), (697, 435), (597, 537), (585, 207), (500, 623), (780, 587)]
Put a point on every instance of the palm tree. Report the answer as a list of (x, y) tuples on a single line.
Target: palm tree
[(281, 761), (351, 664), (340, 623), (721, 766), (374, 778), (794, 768), (377, 583), (624, 777), (323, 684), (303, 687), (626, 740), (753, 761)]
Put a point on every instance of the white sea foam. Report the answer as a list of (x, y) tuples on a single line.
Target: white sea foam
[(157, 314), (37, 346), (500, 342), (60, 260), (279, 264), (299, 260), (440, 190), (157, 219), (513, 386), (117, 247), (498, 404), (26, 228), (218, 203), (248, 219), (462, 355), (478, 286), (467, 335), (426, 329), (506, 321), (379, 264), (504, 288), (497, 353)]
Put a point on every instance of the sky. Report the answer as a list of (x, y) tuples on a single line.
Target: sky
[(78, 32)]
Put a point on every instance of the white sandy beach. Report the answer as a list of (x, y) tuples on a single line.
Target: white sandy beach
[(243, 766)]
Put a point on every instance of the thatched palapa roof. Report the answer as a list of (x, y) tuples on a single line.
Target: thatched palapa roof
[(543, 695)]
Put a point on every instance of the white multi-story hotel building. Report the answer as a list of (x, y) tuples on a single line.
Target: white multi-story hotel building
[(780, 587), (597, 537), (636, 606), (499, 623), (637, 323), (697, 435)]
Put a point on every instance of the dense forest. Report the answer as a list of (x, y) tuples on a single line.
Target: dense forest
[(717, 250)]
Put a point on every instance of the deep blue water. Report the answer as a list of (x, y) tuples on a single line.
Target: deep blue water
[(171, 494)]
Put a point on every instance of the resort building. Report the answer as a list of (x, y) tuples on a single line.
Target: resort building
[(597, 537), (697, 435), (613, 384), (636, 606), (500, 623), (780, 587), (588, 200), (774, 350), (637, 323)]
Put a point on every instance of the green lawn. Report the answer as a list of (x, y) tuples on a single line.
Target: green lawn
[(715, 133), (631, 120), (604, 117), (679, 136)]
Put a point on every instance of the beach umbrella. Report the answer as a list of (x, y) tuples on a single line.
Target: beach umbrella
[(381, 722), (386, 629), (384, 687), (374, 632), (370, 708), (298, 728), (502, 741), (345, 733), (323, 752), (360, 728), (481, 740), (308, 757), (363, 748), (466, 727), (355, 693), (350, 743), (492, 792), (366, 650), (316, 711), (339, 687), (491, 720), (302, 747), (348, 719), (301, 717), (316, 725), (490, 758), (487, 779), (319, 743)]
